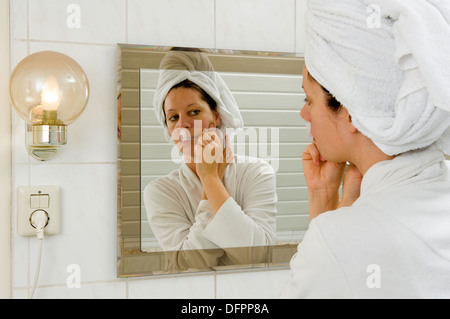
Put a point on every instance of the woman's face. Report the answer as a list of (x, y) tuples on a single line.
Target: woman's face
[(187, 115), (327, 126)]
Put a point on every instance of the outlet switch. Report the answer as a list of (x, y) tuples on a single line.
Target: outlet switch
[(33, 198)]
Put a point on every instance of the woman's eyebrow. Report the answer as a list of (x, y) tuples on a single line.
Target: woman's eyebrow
[(192, 104)]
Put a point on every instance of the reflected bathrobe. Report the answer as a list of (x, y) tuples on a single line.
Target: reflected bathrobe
[(393, 242), (189, 234)]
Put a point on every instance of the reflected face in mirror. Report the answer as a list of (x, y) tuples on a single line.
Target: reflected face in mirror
[(185, 108)]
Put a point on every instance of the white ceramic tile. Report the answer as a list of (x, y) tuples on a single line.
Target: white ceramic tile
[(251, 285), (188, 287), (20, 245), (92, 137), (19, 50), (106, 290), (99, 21), (300, 26), (18, 16), (88, 225), (187, 23), (266, 25), (19, 153)]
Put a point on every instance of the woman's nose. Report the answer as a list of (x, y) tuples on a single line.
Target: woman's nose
[(304, 113), (184, 122)]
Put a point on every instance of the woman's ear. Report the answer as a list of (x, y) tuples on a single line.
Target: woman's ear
[(349, 122), (352, 128), (218, 120)]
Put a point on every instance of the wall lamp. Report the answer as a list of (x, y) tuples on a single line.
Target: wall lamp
[(49, 90)]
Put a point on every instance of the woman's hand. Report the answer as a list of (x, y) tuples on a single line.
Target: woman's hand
[(323, 179), (319, 173), (211, 160), (227, 156), (211, 157), (352, 186)]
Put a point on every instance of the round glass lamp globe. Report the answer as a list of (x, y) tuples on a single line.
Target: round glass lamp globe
[(49, 88)]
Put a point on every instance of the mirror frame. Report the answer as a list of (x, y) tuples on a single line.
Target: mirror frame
[(131, 260)]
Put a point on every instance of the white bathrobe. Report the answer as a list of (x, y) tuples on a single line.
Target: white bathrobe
[(184, 224), (393, 242)]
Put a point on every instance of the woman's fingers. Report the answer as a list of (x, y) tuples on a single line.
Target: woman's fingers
[(227, 151), (211, 147), (320, 173), (352, 186), (210, 135), (312, 153), (352, 180)]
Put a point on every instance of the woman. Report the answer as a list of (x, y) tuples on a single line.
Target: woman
[(378, 99), (212, 210)]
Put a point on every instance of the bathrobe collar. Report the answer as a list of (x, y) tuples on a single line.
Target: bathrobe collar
[(401, 170)]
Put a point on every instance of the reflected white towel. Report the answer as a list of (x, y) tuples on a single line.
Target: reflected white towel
[(178, 66), (393, 78)]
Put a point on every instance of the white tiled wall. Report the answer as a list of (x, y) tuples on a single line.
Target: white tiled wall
[(86, 168)]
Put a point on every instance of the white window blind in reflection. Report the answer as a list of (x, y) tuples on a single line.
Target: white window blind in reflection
[(267, 102)]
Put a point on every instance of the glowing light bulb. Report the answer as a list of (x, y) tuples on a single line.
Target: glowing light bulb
[(50, 102), (49, 90), (51, 97)]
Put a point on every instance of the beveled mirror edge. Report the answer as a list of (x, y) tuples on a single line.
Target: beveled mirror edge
[(131, 261)]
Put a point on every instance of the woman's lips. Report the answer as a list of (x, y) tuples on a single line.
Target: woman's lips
[(182, 136), (184, 139), (187, 138)]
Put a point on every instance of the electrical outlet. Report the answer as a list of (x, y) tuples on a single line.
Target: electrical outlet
[(34, 198)]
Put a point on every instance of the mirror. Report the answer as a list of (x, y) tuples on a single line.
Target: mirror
[(267, 87)]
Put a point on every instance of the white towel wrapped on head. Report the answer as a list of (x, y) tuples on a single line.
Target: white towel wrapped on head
[(394, 78), (178, 66)]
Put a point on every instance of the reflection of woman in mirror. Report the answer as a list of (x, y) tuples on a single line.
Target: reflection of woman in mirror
[(389, 237), (216, 206)]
